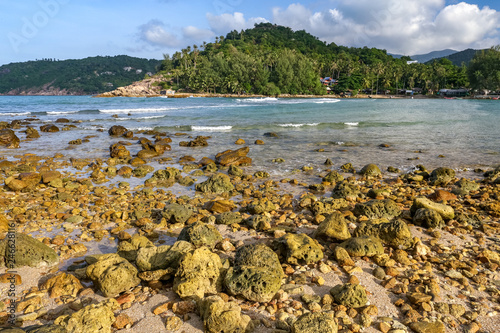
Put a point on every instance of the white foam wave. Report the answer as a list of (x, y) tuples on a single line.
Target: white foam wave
[(257, 100), (326, 100), (149, 117), (15, 114), (135, 110), (298, 125), (61, 112), (211, 128), (352, 124)]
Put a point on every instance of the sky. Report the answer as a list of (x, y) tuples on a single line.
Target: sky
[(75, 29)]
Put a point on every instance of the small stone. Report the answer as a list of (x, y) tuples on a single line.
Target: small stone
[(162, 308), (122, 321), (173, 323), (425, 327)]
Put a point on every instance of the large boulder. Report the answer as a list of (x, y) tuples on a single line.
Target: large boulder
[(229, 218), (112, 274), (95, 318), (344, 190), (256, 274), (370, 170), (464, 186), (161, 257), (165, 178), (62, 285), (428, 218), (128, 248), (299, 249), (218, 183), (446, 212), (176, 213), (396, 233), (8, 138), (234, 157), (199, 273), (349, 295), (119, 151), (377, 209), (27, 252), (364, 246), (117, 130), (442, 176), (49, 128), (333, 226), (333, 177), (261, 206), (315, 322), (200, 234), (219, 316)]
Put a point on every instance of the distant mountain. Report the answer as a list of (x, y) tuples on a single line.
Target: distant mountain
[(423, 58), (464, 56), (87, 76)]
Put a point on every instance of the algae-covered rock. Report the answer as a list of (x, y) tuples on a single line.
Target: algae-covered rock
[(298, 249), (395, 233), (27, 252), (162, 257), (333, 177), (164, 178), (377, 209), (464, 186), (349, 295), (344, 190), (199, 273), (176, 213), (256, 274), (446, 212), (235, 171), (428, 327), (364, 246), (219, 316), (117, 130), (62, 285), (261, 206), (200, 234), (128, 249), (333, 226), (218, 183), (234, 157), (442, 176), (315, 322), (259, 222), (370, 170), (112, 274), (95, 318), (228, 218), (8, 138), (328, 205), (428, 218)]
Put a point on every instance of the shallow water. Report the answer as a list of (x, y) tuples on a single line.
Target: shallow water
[(454, 133)]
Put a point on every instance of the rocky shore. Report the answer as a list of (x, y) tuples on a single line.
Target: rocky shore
[(211, 247)]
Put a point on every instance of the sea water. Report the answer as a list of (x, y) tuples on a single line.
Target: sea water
[(401, 133)]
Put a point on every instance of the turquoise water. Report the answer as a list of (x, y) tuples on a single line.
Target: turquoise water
[(464, 132)]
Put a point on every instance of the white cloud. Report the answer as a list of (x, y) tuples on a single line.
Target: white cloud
[(406, 27), (154, 33), (197, 34), (224, 23)]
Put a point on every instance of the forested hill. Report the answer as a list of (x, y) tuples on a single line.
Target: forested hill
[(73, 77)]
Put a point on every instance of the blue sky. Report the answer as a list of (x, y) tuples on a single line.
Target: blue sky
[(72, 29)]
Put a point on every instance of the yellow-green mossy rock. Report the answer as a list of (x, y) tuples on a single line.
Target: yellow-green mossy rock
[(218, 183), (199, 273), (446, 212), (219, 316), (377, 209), (95, 318), (256, 274), (28, 252), (349, 295), (396, 233), (112, 274), (370, 170), (364, 246), (200, 234), (315, 322), (128, 248), (62, 285), (299, 249), (333, 226), (162, 257)]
